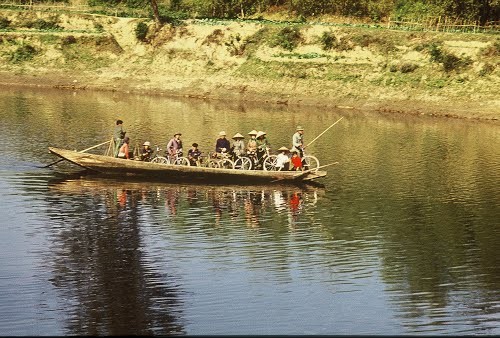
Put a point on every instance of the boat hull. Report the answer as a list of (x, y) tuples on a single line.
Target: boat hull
[(111, 166)]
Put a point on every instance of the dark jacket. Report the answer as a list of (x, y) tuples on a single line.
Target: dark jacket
[(222, 143)]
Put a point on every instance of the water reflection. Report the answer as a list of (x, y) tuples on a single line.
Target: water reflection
[(256, 203), (111, 284)]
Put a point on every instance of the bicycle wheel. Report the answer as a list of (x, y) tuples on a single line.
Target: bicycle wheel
[(270, 163), (243, 163), (226, 163), (182, 161), (159, 159), (310, 162), (212, 163)]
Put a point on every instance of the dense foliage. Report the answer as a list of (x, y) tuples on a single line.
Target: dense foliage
[(483, 11)]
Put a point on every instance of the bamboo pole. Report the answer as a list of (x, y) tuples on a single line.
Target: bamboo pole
[(317, 137), (315, 169)]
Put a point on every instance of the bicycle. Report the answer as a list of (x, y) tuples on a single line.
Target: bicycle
[(243, 163), (219, 160), (309, 162), (267, 161), (177, 158), (158, 158)]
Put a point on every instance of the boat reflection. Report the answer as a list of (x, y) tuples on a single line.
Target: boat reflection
[(227, 202)]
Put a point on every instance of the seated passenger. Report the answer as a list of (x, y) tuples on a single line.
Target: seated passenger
[(252, 143), (296, 161), (282, 160), (124, 151), (146, 152), (238, 148), (262, 145), (222, 145), (194, 154)]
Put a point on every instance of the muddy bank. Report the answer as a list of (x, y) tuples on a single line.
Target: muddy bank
[(444, 108)]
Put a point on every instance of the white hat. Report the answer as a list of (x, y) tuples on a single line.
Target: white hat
[(283, 149), (222, 133), (147, 143), (253, 132), (238, 135), (260, 133)]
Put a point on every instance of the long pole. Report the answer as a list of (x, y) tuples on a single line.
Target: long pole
[(315, 169), (317, 137), (81, 151), (304, 172)]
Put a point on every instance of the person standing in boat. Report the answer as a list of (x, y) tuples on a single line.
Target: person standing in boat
[(238, 148), (298, 141), (118, 136), (124, 151), (222, 145), (174, 146)]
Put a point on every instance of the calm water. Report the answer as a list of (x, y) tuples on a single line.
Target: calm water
[(402, 239)]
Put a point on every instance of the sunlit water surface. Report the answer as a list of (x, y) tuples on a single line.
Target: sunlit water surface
[(402, 238)]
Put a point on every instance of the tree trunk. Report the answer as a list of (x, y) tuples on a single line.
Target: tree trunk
[(156, 14)]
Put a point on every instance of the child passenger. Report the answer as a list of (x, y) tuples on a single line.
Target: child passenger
[(296, 162), (194, 154)]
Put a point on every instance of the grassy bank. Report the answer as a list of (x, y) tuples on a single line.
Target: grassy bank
[(448, 74)]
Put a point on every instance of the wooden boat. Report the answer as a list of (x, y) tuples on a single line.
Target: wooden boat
[(111, 166)]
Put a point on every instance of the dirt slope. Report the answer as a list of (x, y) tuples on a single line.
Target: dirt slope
[(370, 69)]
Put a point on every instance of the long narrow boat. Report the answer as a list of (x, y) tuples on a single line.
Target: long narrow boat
[(111, 166)]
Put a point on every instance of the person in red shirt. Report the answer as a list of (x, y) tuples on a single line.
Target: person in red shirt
[(296, 161)]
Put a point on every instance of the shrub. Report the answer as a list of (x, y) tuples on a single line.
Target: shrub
[(488, 68), (492, 50), (4, 23), (287, 38), (172, 17), (141, 30), (365, 40), (68, 40), (448, 60), (23, 53), (98, 27), (407, 67), (43, 25), (215, 37), (328, 40)]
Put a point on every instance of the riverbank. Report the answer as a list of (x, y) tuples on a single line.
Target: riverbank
[(442, 74)]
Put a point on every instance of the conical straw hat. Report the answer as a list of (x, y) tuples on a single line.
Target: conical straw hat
[(238, 135)]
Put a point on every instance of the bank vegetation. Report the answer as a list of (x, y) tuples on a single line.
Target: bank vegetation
[(200, 50)]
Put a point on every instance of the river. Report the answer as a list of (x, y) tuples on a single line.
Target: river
[(402, 236)]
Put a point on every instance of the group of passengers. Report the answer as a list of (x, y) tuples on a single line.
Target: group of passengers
[(257, 148)]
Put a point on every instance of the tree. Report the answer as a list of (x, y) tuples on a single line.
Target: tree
[(156, 13)]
